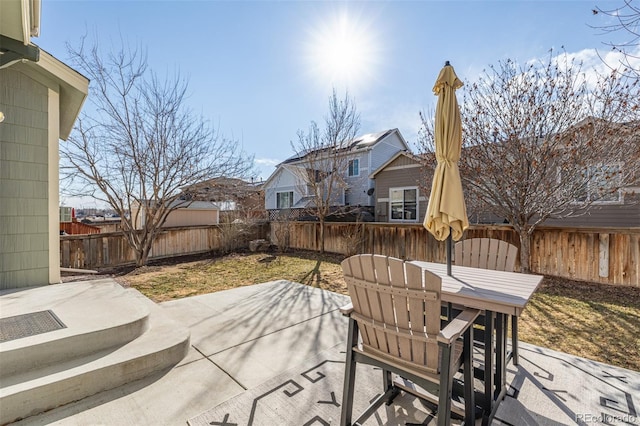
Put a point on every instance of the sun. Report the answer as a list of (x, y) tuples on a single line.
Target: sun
[(343, 52)]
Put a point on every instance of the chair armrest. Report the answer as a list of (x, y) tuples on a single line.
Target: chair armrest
[(347, 309), (458, 325)]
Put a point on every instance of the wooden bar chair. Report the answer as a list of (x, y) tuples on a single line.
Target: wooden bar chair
[(490, 253), (395, 310)]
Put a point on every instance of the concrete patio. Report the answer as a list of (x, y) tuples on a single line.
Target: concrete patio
[(249, 345)]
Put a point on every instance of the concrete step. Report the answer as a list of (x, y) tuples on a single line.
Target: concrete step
[(161, 346), (97, 316)]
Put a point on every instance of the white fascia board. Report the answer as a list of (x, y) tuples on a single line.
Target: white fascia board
[(72, 86)]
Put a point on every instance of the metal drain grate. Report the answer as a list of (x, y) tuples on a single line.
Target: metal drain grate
[(26, 325)]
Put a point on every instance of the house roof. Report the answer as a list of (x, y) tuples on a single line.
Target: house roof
[(195, 205), (305, 202), (279, 168), (71, 86), (19, 21), (407, 154), (190, 205), (362, 142)]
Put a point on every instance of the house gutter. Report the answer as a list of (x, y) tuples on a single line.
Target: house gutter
[(13, 51)]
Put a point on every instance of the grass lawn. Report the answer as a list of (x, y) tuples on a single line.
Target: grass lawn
[(596, 321)]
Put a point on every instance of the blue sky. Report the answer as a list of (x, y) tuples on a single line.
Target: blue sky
[(261, 70)]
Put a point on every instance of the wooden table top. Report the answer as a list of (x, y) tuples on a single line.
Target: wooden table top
[(498, 291)]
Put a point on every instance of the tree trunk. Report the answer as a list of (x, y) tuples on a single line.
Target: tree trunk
[(525, 250), (142, 255)]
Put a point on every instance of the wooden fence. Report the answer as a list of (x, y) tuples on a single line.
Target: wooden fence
[(111, 249), (606, 255)]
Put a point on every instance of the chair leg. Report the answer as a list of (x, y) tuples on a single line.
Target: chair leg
[(349, 375), (446, 388), (386, 380), (387, 384), (514, 339), (469, 391)]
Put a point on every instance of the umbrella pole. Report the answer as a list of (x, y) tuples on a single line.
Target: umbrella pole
[(449, 244)]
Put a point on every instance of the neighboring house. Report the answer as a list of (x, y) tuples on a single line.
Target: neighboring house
[(69, 225), (103, 223), (285, 190), (189, 213), (623, 211), (617, 209), (234, 197), (40, 99), (400, 189)]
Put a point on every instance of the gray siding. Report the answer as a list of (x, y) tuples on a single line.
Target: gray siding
[(399, 178), (283, 181), (625, 215), (605, 215), (24, 254), (384, 150), (356, 194)]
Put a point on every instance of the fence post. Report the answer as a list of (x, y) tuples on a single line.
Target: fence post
[(603, 258)]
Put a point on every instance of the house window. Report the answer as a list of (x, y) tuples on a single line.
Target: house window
[(284, 200), (65, 214), (354, 167), (602, 179), (403, 203)]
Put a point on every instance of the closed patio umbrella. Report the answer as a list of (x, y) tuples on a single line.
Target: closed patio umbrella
[(446, 216)]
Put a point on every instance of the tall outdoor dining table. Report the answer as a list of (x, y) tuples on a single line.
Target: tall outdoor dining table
[(494, 292)]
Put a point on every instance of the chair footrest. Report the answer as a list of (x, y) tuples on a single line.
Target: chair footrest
[(456, 407)]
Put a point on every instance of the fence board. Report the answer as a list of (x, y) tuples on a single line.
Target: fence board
[(566, 252), (111, 249)]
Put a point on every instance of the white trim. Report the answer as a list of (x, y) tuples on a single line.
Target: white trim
[(26, 25), (72, 87), (404, 188), (406, 166), (53, 185), (393, 158), (349, 167), (291, 201), (383, 200), (619, 201)]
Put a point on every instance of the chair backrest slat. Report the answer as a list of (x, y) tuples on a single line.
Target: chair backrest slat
[(486, 253), (416, 309), (358, 296), (493, 254), (369, 275), (381, 267), (398, 304)]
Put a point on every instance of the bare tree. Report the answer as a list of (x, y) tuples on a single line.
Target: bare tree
[(544, 140), (324, 157), (624, 20), (137, 144)]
